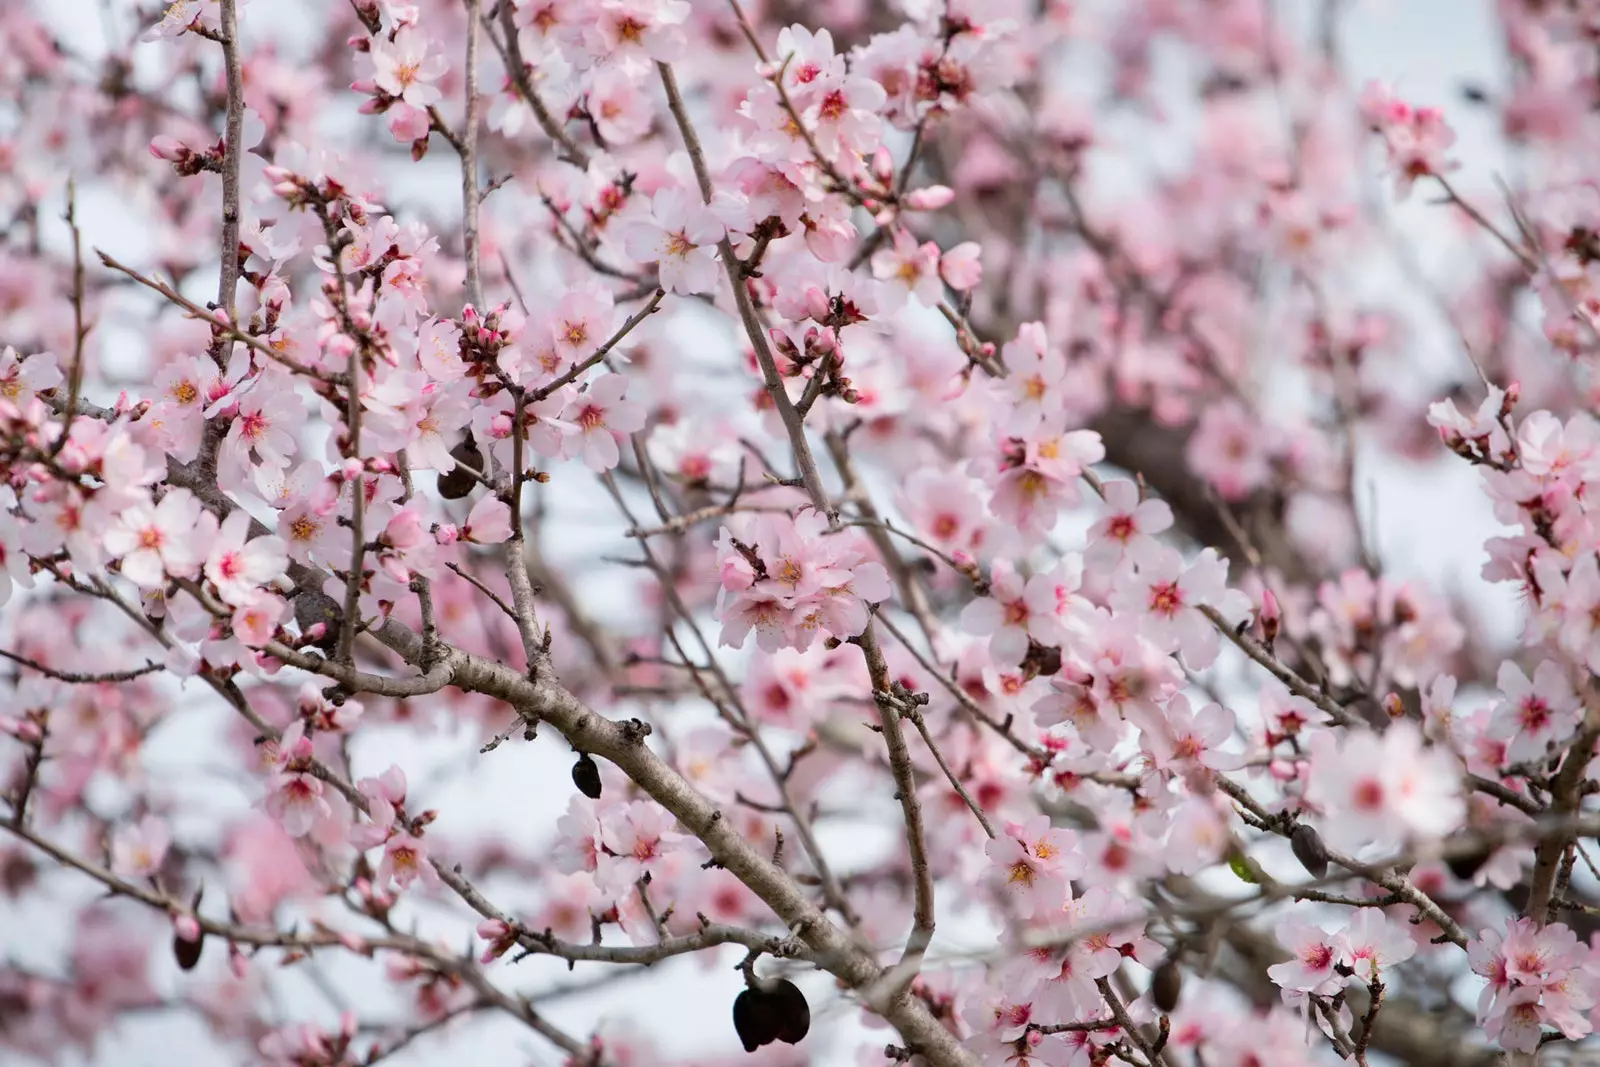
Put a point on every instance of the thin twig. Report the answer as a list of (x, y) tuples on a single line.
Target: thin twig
[(792, 421), (233, 150), (470, 198), (73, 678)]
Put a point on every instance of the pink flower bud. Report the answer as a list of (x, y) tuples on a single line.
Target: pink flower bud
[(446, 534), (24, 730), (931, 198), (186, 926), (1271, 616), (1513, 394), (817, 304), (883, 165), (169, 148)]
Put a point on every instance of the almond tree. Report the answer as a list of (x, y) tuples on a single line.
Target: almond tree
[(933, 525)]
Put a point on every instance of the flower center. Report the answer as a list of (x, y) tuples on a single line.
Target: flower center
[(679, 245), (1165, 598)]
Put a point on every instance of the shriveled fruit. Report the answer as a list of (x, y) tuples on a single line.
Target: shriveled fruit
[(774, 1010), (1308, 848), (586, 776)]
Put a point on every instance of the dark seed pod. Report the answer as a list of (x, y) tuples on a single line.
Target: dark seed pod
[(188, 952), (776, 1011), (794, 1014), (456, 482), (1464, 867), (1166, 984), (1309, 850), (753, 1019), (586, 776)]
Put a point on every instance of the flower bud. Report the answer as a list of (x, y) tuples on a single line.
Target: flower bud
[(817, 304), (1271, 617), (931, 198), (169, 148), (883, 165)]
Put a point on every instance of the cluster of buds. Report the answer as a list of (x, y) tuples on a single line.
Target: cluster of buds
[(835, 312), (482, 337), (610, 200), (299, 191), (822, 356)]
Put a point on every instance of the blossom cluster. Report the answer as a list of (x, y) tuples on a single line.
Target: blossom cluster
[(790, 581), (1536, 977)]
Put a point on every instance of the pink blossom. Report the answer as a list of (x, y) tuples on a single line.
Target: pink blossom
[(1032, 389), (680, 238), (907, 269), (156, 542), (960, 268), (1168, 596), (256, 620), (237, 566), (844, 117), (791, 581), (296, 801), (1017, 611), (1128, 526), (1032, 864), (137, 851), (1374, 944), (1535, 714), (544, 428), (14, 569), (1229, 450), (23, 378), (1384, 787), (403, 68), (405, 860), (489, 523), (634, 33), (602, 418), (1315, 955), (1185, 739)]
